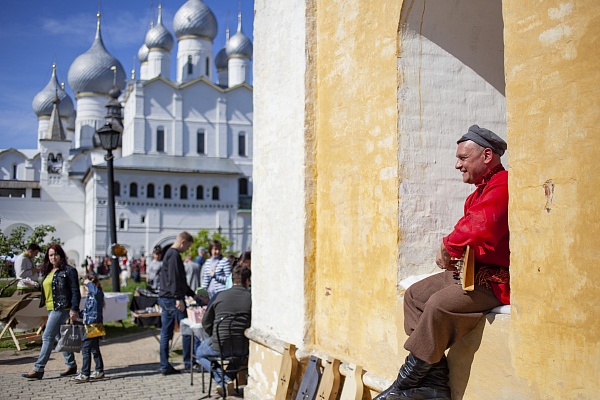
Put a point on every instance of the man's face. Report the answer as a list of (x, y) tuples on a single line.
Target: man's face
[(33, 253), (470, 160), (185, 245)]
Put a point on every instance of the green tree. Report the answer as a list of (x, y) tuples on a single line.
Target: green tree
[(203, 239), (18, 241)]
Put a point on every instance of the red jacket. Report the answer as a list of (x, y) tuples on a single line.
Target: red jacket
[(484, 227)]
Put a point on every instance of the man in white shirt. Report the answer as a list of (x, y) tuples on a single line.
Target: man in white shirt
[(25, 271)]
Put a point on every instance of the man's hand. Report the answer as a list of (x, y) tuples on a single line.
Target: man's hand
[(180, 305), (443, 257)]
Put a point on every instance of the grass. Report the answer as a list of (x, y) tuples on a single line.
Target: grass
[(113, 329)]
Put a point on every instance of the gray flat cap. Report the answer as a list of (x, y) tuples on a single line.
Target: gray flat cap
[(202, 249), (486, 138)]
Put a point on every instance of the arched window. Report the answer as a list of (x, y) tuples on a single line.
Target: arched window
[(160, 139), (215, 193), (242, 144), (243, 186), (183, 192), (133, 190), (150, 191), (201, 141), (117, 188), (190, 66), (14, 172), (200, 192), (167, 192), (207, 66)]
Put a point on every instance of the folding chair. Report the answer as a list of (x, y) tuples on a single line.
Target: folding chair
[(234, 348)]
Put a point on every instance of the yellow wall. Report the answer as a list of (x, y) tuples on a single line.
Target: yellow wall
[(357, 180), (549, 347), (552, 95)]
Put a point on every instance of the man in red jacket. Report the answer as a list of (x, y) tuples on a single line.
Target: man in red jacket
[(437, 312)]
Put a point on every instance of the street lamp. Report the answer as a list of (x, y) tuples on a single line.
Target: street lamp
[(110, 138)]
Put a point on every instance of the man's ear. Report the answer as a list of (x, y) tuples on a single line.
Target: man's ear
[(488, 155)]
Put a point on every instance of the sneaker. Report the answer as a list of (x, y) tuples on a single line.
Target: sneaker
[(97, 375), (80, 378)]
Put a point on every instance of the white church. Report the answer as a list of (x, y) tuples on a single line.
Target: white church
[(186, 157)]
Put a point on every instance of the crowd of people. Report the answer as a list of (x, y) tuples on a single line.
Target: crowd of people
[(225, 281)]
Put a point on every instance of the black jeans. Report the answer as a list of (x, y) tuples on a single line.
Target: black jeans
[(91, 346)]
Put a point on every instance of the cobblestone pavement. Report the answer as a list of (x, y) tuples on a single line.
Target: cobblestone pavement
[(131, 366)]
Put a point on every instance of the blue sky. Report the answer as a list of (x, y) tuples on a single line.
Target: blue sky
[(35, 33)]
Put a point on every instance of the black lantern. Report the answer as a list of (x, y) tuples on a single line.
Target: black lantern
[(109, 137)]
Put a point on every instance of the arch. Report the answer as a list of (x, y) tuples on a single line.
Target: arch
[(199, 192), (243, 186), (201, 141), (215, 193), (117, 188), (150, 191), (183, 192), (133, 189), (167, 191), (242, 144), (160, 139)]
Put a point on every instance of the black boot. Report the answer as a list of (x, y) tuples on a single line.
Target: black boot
[(410, 376), (433, 387)]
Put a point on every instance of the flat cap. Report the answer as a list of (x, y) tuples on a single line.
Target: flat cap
[(202, 249), (486, 138)]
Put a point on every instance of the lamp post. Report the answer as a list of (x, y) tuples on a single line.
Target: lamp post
[(110, 138)]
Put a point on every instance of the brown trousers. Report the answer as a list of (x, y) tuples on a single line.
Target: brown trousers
[(438, 312)]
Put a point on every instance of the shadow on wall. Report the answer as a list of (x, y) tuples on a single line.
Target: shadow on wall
[(472, 31)]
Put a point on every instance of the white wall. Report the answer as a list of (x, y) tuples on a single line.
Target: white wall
[(451, 77), (278, 286)]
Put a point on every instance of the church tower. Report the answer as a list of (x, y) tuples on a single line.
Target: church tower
[(91, 78), (159, 43), (239, 53), (195, 26), (43, 105)]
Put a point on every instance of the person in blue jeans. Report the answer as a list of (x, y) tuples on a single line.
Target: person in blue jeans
[(171, 299), (235, 300), (60, 295), (92, 314)]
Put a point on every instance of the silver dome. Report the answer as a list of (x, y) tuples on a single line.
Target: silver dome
[(42, 102), (239, 45), (194, 18), (158, 37), (91, 71), (221, 60), (143, 53)]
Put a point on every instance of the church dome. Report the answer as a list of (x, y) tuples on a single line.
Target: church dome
[(91, 71), (221, 60), (239, 45), (158, 37), (195, 18), (143, 53), (43, 101)]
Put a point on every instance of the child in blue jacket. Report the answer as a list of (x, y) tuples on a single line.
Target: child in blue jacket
[(92, 314)]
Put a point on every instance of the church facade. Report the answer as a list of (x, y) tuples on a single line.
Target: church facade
[(185, 161)]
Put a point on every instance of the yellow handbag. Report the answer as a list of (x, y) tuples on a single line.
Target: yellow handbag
[(94, 330)]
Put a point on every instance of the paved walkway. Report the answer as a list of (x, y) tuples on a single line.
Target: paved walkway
[(131, 366)]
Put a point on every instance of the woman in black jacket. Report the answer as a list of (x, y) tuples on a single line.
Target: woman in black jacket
[(61, 296)]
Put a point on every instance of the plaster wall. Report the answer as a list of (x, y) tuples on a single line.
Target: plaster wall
[(357, 308), (279, 211), (554, 203), (451, 76)]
